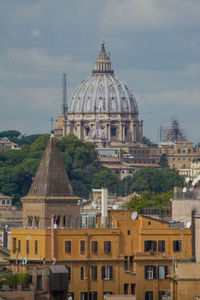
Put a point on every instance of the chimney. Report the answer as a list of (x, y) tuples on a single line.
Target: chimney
[(104, 206)]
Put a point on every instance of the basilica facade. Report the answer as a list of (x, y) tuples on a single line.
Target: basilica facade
[(102, 109)]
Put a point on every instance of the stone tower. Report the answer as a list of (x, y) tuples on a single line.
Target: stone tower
[(50, 193)]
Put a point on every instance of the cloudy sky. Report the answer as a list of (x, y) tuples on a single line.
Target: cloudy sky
[(154, 45)]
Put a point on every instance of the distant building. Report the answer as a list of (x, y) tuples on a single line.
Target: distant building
[(5, 201), (7, 145)]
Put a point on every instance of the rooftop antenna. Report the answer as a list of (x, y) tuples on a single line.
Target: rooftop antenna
[(51, 120), (65, 108)]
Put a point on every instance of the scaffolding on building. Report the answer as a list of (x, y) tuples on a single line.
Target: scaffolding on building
[(173, 134)]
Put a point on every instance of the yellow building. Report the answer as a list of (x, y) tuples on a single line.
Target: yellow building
[(130, 257), (114, 252)]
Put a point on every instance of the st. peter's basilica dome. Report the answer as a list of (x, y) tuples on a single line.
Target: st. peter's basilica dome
[(103, 91), (106, 99)]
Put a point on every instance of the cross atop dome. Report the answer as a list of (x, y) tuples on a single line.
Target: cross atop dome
[(103, 63)]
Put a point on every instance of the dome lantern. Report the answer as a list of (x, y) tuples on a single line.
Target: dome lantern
[(103, 63)]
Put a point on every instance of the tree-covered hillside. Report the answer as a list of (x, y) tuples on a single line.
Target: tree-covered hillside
[(18, 168)]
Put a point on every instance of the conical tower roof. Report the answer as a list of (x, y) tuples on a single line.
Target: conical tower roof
[(51, 178)]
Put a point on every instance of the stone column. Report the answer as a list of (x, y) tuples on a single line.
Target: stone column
[(140, 130), (79, 129), (123, 132), (120, 131), (108, 131)]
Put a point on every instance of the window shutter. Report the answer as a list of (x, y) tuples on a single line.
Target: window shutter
[(157, 272), (102, 272), (82, 246), (166, 271), (174, 245), (109, 246), (145, 246), (180, 245), (93, 247), (155, 246), (105, 247), (96, 276), (96, 247), (145, 272), (161, 246), (154, 272), (111, 272)]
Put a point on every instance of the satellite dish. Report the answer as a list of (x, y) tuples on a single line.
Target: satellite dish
[(188, 225), (94, 204), (184, 189), (115, 206), (198, 177), (134, 215), (187, 179)]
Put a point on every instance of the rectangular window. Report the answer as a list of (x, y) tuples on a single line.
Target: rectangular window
[(27, 246), (162, 272), (14, 244), (107, 272), (83, 296), (150, 246), (93, 295), (132, 288), (82, 247), (150, 272), (107, 246), (19, 246), (82, 273), (149, 295), (131, 262), (94, 247), (36, 247), (68, 247), (177, 246), (125, 288), (125, 263), (161, 246), (94, 272)]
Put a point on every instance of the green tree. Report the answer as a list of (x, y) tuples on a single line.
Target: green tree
[(40, 143), (148, 142), (152, 180), (163, 162), (10, 134), (104, 178), (146, 200)]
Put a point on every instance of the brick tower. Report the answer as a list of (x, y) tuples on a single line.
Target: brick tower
[(50, 193)]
